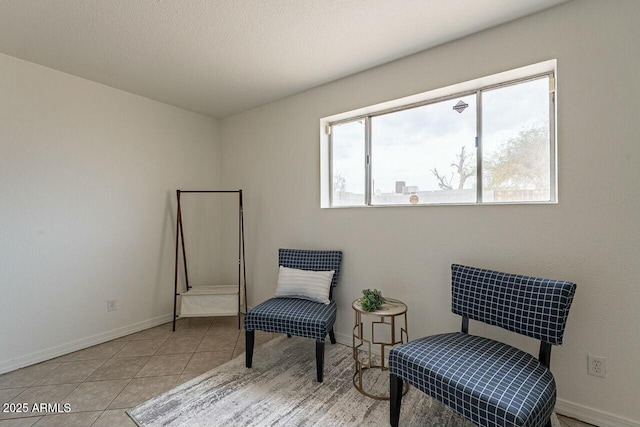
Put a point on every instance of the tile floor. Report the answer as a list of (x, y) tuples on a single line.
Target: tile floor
[(100, 382)]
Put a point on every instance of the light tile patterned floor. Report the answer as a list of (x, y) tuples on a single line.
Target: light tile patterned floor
[(100, 382)]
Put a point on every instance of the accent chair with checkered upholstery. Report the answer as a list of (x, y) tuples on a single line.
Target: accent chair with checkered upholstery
[(486, 381), (299, 317)]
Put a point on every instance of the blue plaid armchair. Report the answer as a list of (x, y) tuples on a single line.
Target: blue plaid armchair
[(488, 382), (293, 316)]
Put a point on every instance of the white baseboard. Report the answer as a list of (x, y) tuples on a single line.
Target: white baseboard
[(344, 339), (50, 353), (563, 407), (592, 416)]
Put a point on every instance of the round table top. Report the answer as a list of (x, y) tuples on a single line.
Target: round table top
[(391, 307)]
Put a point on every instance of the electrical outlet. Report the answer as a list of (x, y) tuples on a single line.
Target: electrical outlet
[(112, 304), (596, 365)]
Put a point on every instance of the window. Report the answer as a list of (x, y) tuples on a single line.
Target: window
[(491, 144), (348, 164)]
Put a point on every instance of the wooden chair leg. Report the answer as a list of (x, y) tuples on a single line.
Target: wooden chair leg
[(332, 336), (249, 340), (395, 400), (319, 360)]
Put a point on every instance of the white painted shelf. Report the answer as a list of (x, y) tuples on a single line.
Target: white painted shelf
[(205, 301)]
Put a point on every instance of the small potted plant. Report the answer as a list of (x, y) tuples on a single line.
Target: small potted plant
[(371, 300)]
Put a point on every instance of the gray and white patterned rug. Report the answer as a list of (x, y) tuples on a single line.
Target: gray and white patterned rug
[(281, 390)]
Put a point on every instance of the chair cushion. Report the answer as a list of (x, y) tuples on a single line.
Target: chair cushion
[(488, 382), (305, 284), (292, 316), (526, 305), (316, 260)]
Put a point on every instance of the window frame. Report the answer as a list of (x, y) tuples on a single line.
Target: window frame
[(381, 109)]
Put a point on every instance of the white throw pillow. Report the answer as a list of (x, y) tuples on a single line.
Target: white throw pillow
[(305, 284)]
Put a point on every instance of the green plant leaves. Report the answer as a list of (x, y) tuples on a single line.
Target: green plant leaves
[(372, 299)]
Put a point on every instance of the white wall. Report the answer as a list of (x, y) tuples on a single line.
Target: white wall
[(87, 187), (591, 237)]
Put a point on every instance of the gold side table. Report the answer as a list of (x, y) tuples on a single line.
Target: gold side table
[(388, 313)]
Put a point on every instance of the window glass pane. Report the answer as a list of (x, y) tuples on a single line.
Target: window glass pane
[(348, 173), (426, 154), (516, 163)]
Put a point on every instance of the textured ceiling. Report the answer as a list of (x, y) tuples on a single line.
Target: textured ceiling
[(220, 57)]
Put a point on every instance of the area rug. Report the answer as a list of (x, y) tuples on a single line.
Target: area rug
[(281, 390)]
